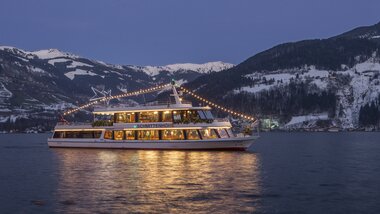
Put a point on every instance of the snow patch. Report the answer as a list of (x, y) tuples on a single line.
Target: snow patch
[(59, 60), (4, 92), (75, 64), (36, 69), (254, 89), (180, 81), (72, 64), (58, 106), (71, 74), (283, 77), (52, 53), (369, 65), (300, 119), (122, 89)]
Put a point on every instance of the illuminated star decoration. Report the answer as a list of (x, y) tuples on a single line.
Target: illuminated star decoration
[(100, 95)]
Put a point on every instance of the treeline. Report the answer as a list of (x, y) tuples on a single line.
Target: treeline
[(369, 114), (21, 125), (284, 102), (327, 54)]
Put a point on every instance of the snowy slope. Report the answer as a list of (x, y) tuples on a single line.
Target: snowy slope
[(41, 54), (199, 68), (363, 85), (273, 79), (56, 57), (37, 85)]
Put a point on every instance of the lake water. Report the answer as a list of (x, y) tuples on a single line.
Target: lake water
[(282, 173)]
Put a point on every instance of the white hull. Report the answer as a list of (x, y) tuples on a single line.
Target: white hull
[(214, 144)]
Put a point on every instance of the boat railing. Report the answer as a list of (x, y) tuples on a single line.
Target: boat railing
[(221, 120), (163, 103), (73, 123), (155, 103)]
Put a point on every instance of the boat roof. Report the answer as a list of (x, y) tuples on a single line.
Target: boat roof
[(171, 107)]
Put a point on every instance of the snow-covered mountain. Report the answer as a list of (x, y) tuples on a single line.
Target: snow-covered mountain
[(308, 84), (354, 87), (55, 56), (36, 85)]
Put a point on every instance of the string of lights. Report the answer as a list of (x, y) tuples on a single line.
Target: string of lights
[(218, 106), (134, 93), (160, 87)]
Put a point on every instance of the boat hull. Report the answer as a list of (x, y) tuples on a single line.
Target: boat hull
[(217, 144)]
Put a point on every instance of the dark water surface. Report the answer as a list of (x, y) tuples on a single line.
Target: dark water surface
[(282, 173)]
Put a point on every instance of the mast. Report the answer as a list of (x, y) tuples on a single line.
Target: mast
[(175, 94)]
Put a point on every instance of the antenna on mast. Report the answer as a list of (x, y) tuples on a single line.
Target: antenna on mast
[(101, 95)]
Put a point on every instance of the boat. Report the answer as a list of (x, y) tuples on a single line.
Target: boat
[(333, 129), (176, 126)]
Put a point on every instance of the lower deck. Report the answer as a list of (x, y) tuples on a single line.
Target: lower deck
[(148, 134), (211, 144)]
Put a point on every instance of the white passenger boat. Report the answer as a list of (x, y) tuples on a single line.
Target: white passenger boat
[(178, 126)]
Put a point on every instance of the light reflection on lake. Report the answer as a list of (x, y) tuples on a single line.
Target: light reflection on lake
[(287, 173), (157, 181)]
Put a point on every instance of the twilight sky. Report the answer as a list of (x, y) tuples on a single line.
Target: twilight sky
[(159, 32)]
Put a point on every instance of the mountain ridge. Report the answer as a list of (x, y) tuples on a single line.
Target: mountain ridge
[(309, 84), (35, 86), (153, 70), (347, 77)]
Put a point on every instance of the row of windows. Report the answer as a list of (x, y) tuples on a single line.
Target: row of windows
[(157, 116), (77, 134), (168, 134)]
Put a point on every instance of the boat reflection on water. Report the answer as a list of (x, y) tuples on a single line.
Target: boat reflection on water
[(157, 181)]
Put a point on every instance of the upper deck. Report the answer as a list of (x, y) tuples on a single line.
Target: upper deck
[(146, 108), (216, 123)]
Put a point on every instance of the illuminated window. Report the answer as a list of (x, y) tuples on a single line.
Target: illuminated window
[(192, 134), (120, 117), (208, 133), (130, 135), (177, 116), (148, 135), (167, 116), (118, 135), (108, 134), (147, 117), (172, 134), (131, 117), (222, 133), (125, 117)]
